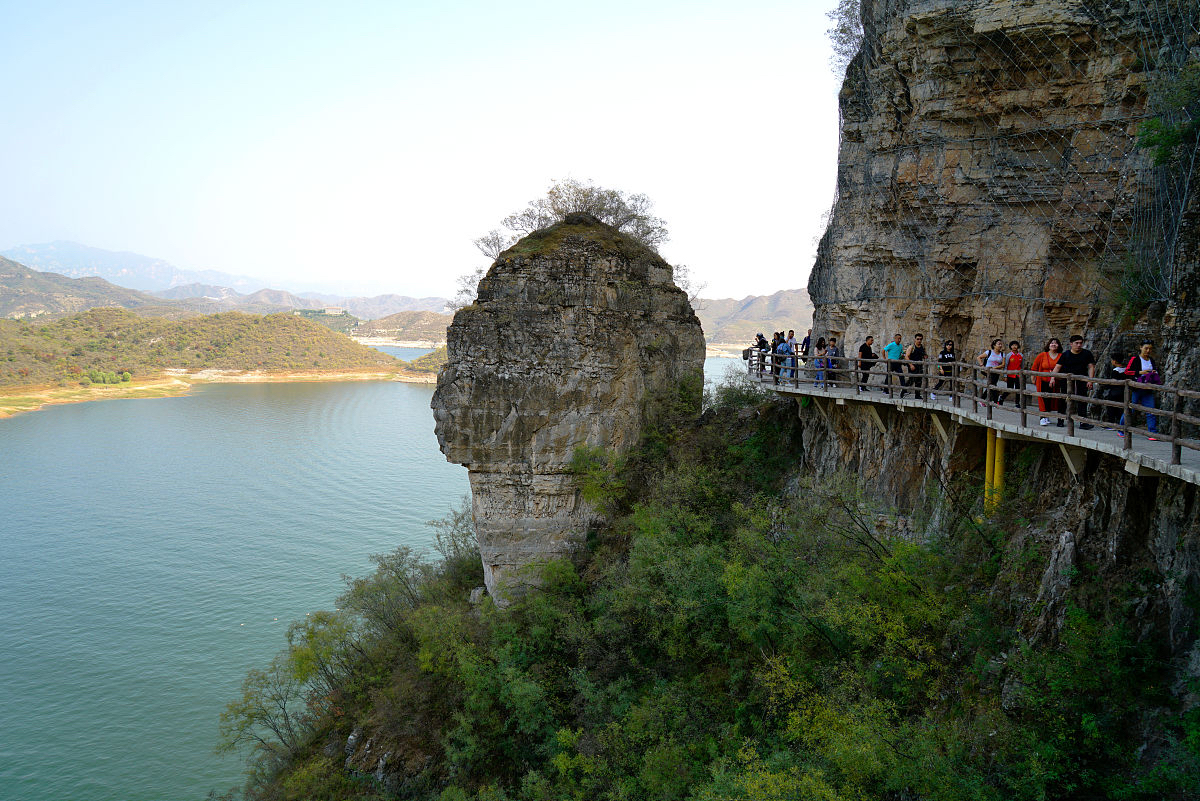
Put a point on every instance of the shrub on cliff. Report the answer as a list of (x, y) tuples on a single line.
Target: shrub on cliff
[(736, 632)]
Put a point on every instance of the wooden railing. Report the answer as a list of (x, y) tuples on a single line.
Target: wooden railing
[(966, 383)]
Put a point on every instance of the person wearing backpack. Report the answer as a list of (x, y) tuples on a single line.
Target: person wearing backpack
[(1144, 370), (993, 360)]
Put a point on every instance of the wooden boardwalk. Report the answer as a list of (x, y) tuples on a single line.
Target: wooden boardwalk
[(1142, 457)]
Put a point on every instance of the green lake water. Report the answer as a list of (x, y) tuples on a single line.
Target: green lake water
[(153, 551)]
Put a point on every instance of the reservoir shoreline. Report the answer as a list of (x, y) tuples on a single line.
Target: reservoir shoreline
[(174, 383)]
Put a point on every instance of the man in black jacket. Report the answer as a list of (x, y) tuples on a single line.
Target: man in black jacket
[(866, 358)]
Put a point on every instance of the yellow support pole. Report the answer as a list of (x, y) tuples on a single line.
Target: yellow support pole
[(989, 471), (998, 474)]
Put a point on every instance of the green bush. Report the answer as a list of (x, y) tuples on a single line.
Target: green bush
[(732, 632)]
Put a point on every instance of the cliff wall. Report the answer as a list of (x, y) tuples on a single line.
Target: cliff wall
[(576, 329), (1139, 534), (990, 181)]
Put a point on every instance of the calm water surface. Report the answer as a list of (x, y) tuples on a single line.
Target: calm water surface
[(153, 551)]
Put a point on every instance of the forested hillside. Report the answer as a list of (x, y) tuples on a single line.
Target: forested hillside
[(740, 631), (116, 340), (411, 326)]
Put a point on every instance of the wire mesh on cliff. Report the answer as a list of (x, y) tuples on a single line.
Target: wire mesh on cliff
[(1079, 117)]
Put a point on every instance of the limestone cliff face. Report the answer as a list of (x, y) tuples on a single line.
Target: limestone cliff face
[(989, 177), (575, 329), (1141, 535)]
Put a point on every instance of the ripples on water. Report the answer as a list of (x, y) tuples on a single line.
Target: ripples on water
[(155, 550)]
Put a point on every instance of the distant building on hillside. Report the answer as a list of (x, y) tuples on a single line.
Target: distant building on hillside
[(333, 310)]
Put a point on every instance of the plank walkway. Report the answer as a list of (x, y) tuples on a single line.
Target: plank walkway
[(1143, 457)]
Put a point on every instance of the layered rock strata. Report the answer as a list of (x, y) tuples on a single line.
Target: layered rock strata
[(989, 177), (576, 330)]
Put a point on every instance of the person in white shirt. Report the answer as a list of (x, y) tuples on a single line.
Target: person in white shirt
[(992, 358)]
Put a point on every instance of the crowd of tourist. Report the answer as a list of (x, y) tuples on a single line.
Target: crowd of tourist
[(911, 368)]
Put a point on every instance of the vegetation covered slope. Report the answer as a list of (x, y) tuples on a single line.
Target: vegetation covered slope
[(116, 340), (424, 326), (738, 632), (431, 362)]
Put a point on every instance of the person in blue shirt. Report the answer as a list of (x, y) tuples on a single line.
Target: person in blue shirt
[(892, 351)]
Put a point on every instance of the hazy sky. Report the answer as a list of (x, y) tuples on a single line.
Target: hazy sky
[(365, 144)]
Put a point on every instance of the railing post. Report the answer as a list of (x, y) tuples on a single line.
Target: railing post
[(1021, 396), (1176, 448), (1070, 406), (987, 400), (1126, 417)]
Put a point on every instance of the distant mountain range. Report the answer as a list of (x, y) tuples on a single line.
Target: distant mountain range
[(730, 321), (205, 291), (131, 270), (26, 292), (29, 293)]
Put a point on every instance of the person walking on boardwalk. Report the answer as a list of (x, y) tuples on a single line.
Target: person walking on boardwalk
[(1078, 361), (945, 358), (916, 367), (993, 359), (1012, 379), (893, 351), (1143, 369), (806, 345), (832, 352), (866, 360), (1044, 362)]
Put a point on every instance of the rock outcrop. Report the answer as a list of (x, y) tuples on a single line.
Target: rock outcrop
[(576, 328), (990, 180)]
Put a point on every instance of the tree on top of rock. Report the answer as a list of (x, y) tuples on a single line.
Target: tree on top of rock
[(629, 214)]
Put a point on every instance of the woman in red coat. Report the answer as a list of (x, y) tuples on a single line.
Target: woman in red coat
[(1044, 362)]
